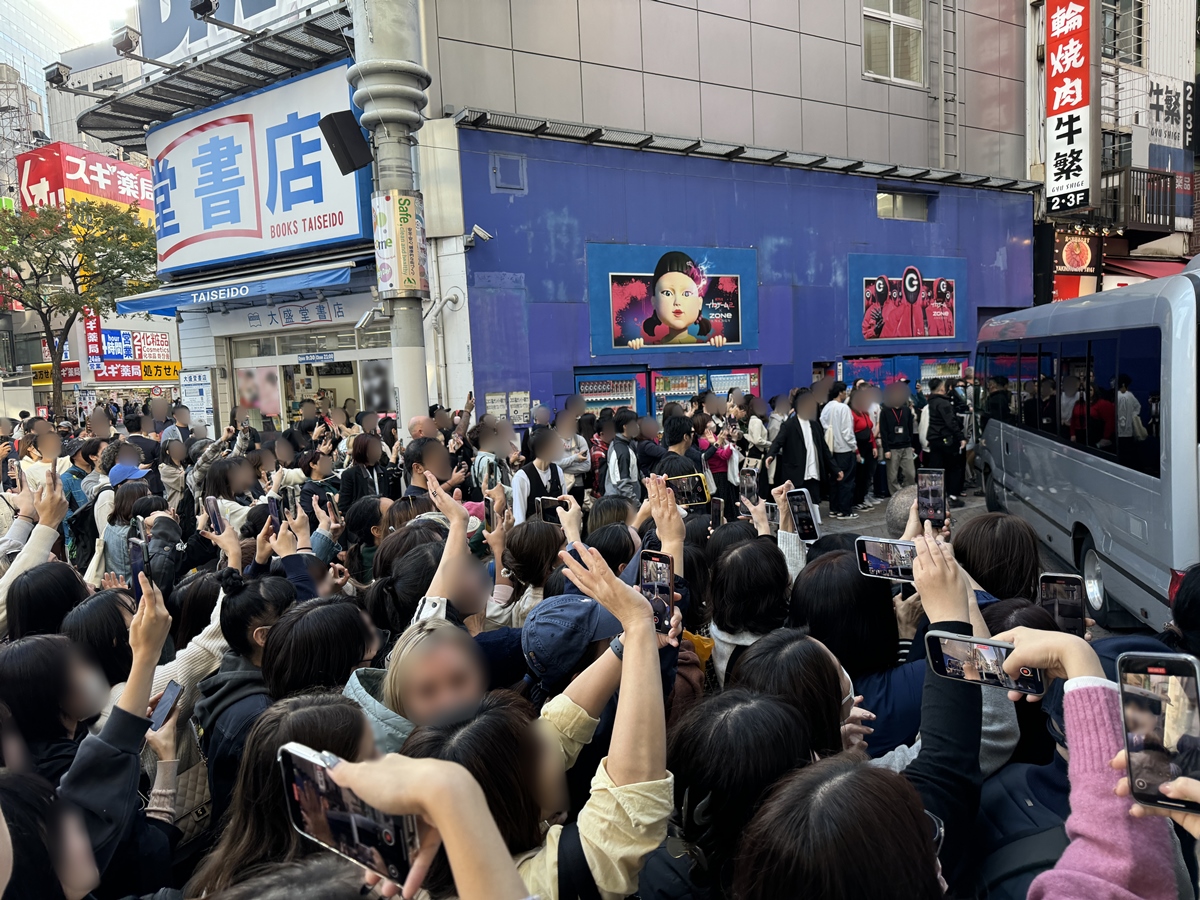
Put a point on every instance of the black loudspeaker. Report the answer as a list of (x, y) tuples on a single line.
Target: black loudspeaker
[(345, 138)]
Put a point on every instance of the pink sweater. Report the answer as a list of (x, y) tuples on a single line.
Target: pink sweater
[(1112, 856)]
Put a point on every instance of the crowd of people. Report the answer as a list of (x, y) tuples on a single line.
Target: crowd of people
[(402, 604)]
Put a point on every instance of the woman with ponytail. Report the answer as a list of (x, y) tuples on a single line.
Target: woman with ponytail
[(366, 523), (679, 286), (233, 697)]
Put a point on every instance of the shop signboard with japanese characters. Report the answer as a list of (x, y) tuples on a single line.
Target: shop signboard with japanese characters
[(1072, 94), (255, 177), (57, 173), (1166, 103), (134, 345)]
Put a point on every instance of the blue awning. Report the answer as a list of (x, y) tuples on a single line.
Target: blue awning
[(165, 301)]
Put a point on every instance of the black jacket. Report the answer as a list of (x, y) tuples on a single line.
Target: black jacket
[(648, 455), (945, 428), (358, 483), (231, 700), (791, 454), (319, 491), (896, 427)]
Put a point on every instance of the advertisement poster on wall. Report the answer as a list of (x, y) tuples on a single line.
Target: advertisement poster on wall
[(258, 388), (376, 375), (905, 298), (671, 298)]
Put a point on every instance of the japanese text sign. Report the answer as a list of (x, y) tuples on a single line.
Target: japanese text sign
[(401, 265), (42, 373), (140, 371), (254, 177), (57, 173), (1071, 92), (1167, 111), (93, 340), (135, 345)]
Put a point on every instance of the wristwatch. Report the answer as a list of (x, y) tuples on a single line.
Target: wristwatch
[(617, 648)]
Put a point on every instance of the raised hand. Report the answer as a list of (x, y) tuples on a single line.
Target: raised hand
[(595, 579)]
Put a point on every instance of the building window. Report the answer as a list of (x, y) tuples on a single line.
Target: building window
[(894, 205), (1116, 150), (1124, 31), (892, 40)]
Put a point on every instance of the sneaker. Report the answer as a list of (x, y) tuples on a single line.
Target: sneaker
[(955, 503), (850, 515), (863, 507)]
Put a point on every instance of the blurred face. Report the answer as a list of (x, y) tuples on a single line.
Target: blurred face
[(76, 864), (268, 461), (324, 466), (49, 446), (374, 452), (552, 794), (338, 417), (129, 456), (807, 407), (437, 461), (442, 419), (285, 453), (441, 678), (88, 693), (42, 427)]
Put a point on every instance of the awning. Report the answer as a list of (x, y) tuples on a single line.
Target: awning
[(165, 301), (1144, 268)]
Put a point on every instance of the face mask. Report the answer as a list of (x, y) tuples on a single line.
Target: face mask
[(848, 700)]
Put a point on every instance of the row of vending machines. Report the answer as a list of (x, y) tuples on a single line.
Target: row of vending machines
[(648, 390)]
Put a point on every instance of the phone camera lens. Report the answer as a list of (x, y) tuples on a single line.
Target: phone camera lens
[(393, 871), (388, 837), (1140, 784), (1026, 671)]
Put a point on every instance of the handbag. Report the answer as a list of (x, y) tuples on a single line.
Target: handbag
[(193, 801), (1139, 430), (95, 570)]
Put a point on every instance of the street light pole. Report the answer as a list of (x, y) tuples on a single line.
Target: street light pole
[(389, 86)]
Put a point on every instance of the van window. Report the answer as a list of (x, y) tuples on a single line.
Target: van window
[(1139, 391), (1101, 390)]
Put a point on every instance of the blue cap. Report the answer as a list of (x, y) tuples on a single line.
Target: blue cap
[(559, 630), (119, 473)]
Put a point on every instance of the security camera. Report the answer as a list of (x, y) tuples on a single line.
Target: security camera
[(126, 39), (480, 233), (202, 8), (366, 319), (57, 74)]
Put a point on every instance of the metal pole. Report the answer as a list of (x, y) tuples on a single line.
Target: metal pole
[(389, 86)]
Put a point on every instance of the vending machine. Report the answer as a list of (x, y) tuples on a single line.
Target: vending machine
[(613, 387), (682, 384)]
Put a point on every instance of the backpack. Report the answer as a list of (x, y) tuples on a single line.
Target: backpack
[(1009, 870), (84, 533), (575, 879)]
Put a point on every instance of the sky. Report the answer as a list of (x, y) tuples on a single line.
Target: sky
[(91, 20)]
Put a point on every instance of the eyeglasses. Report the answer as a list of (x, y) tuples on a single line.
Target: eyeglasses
[(939, 832)]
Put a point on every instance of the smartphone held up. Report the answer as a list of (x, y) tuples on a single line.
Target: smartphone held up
[(965, 658), (1161, 723), (337, 819), (656, 578)]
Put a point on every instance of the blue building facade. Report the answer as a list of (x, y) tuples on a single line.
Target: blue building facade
[(798, 260)]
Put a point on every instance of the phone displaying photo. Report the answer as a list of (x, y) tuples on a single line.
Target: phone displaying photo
[(749, 485), (931, 496), (966, 658), (690, 490), (656, 578), (213, 507), (137, 565), (716, 511), (166, 704), (882, 558), (491, 475), (338, 820), (772, 516), (548, 508), (803, 514), (1061, 595), (273, 512), (1162, 723)]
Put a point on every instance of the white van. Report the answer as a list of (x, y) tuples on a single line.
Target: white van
[(1088, 424)]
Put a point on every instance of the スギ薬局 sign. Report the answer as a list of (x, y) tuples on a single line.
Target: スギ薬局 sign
[(255, 177), (58, 173)]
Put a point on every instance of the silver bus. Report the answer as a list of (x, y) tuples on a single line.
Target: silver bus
[(1088, 431)]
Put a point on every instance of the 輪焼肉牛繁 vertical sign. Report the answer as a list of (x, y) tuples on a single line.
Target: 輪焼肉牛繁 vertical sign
[(1072, 95)]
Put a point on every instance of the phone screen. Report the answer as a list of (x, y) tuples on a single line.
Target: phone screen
[(491, 475), (489, 513), (931, 496), (338, 820), (690, 490), (749, 485), (166, 703), (273, 511), (716, 511), (137, 565), (657, 583), (1062, 597), (972, 659), (772, 516), (1162, 731), (548, 508), (801, 506), (882, 558), (215, 525)]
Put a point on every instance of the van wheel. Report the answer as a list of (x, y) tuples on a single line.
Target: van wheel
[(1099, 604), (991, 491)]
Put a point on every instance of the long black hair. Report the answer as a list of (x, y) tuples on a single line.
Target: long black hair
[(677, 261)]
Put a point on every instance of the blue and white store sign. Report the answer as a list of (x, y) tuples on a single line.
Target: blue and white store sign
[(255, 177)]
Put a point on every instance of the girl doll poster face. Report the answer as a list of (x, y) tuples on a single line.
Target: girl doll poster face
[(678, 304)]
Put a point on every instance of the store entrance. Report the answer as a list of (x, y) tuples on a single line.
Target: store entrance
[(336, 382)]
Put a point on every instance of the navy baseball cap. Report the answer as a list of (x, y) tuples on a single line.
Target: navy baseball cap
[(558, 632)]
